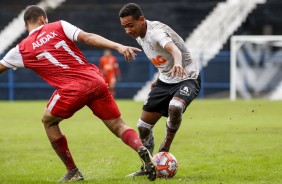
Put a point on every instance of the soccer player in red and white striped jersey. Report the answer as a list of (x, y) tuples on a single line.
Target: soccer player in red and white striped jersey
[(50, 51)]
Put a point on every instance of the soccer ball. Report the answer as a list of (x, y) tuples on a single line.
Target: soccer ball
[(166, 164)]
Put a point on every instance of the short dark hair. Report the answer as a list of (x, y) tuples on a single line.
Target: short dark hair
[(32, 13), (131, 9)]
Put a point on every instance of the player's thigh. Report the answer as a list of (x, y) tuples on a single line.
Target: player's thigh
[(187, 90), (103, 104), (158, 100), (63, 105)]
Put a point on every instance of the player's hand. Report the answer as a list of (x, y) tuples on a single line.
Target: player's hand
[(128, 52), (178, 71)]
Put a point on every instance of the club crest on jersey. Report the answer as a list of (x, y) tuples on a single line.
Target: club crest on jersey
[(184, 90), (44, 39)]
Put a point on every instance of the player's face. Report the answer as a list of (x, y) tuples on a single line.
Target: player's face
[(133, 27)]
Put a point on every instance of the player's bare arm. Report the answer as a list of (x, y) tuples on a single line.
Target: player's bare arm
[(177, 70), (3, 68), (101, 42)]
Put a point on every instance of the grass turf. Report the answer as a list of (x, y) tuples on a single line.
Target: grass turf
[(219, 142)]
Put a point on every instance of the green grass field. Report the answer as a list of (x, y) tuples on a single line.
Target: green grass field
[(219, 142)]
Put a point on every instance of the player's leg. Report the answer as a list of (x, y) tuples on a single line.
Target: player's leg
[(185, 93), (57, 105), (130, 137), (145, 127), (154, 108), (121, 130), (104, 107), (51, 125), (175, 110), (60, 146)]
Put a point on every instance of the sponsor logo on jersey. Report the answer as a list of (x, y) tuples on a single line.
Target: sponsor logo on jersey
[(41, 34), (158, 61), (44, 39), (185, 90)]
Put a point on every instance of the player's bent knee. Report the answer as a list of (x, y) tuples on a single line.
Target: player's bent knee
[(49, 119), (175, 110), (45, 119), (142, 124), (144, 128)]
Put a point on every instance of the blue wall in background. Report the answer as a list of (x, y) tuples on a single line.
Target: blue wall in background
[(24, 84)]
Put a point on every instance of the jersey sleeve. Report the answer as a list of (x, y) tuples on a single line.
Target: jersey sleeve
[(13, 59), (162, 37), (70, 30)]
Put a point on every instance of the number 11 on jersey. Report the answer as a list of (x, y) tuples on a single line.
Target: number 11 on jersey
[(53, 60)]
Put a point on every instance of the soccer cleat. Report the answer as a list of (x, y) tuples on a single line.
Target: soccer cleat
[(72, 175), (137, 173), (149, 165)]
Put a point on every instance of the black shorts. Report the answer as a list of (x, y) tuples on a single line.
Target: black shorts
[(160, 96)]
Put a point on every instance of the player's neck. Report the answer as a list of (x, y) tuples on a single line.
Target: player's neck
[(143, 34), (32, 27)]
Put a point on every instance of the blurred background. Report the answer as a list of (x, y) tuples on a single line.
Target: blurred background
[(210, 28)]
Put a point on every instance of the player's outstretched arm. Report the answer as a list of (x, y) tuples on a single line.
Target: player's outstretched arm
[(3, 68), (99, 41)]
